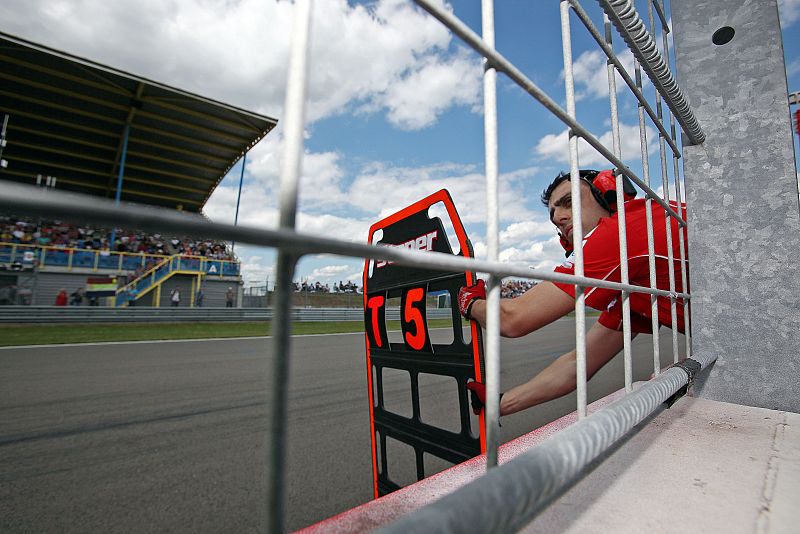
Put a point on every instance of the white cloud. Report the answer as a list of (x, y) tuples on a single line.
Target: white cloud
[(433, 86), (525, 230), (237, 51), (256, 269), (793, 67), (556, 146), (335, 273), (660, 192), (789, 11), (347, 229), (532, 243), (590, 73), (388, 189)]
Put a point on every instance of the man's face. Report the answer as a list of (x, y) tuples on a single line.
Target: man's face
[(560, 207)]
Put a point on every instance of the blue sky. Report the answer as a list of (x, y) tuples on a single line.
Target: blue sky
[(395, 105)]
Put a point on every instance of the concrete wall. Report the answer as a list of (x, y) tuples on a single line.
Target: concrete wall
[(215, 292), (181, 282), (46, 285), (741, 189)]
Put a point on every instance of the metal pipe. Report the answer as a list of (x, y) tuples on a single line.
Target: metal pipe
[(239, 198), (508, 498), (668, 226), (31, 200), (663, 17), (492, 341), (120, 176), (503, 65), (681, 243), (609, 51), (291, 164), (622, 229), (628, 23), (651, 255), (577, 225)]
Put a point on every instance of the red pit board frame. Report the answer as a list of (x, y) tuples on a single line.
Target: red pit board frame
[(412, 227)]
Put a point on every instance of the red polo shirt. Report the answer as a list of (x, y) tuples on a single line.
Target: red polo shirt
[(601, 260)]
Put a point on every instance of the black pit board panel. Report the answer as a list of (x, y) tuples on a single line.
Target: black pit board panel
[(460, 360)]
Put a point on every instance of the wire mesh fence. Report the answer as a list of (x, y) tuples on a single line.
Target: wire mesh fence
[(669, 292)]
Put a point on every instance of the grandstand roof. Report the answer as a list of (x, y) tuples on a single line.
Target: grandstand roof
[(67, 118)]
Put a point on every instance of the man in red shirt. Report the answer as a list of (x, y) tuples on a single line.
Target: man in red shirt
[(548, 301)]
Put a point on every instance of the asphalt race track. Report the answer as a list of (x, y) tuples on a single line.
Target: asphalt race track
[(170, 436)]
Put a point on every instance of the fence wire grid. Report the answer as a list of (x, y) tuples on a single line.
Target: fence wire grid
[(649, 42)]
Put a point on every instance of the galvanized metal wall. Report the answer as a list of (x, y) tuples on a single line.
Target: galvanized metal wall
[(741, 188)]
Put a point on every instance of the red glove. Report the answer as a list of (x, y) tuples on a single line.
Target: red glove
[(468, 295), (477, 395)]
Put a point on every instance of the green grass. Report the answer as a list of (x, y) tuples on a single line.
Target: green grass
[(71, 333)]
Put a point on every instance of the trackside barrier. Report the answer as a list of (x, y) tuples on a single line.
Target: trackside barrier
[(519, 489), (88, 314), (509, 496), (46, 257)]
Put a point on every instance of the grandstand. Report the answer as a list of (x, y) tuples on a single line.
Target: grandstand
[(75, 125)]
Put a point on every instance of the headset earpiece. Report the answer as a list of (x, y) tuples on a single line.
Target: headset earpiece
[(604, 188)]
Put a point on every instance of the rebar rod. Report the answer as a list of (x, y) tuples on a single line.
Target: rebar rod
[(508, 498), (636, 90), (503, 65), (622, 230), (628, 23), (492, 341), (31, 200), (291, 165), (577, 224)]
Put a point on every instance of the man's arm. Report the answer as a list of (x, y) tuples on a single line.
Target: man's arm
[(558, 379), (539, 306)]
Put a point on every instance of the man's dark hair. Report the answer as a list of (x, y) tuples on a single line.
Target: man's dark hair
[(548, 192), (588, 176)]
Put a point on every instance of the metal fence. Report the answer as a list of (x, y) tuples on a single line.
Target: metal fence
[(88, 314), (547, 471)]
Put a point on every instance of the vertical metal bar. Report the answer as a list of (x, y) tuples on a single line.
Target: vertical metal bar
[(667, 221), (290, 176), (239, 199), (676, 173), (3, 136), (622, 229), (651, 257), (492, 241), (577, 225), (120, 175)]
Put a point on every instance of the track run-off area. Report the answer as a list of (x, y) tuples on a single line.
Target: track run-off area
[(171, 436)]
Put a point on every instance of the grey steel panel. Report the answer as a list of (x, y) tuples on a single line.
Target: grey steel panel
[(741, 188)]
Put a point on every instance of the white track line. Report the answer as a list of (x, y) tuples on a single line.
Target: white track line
[(151, 341)]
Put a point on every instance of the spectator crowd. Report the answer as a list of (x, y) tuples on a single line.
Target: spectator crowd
[(515, 288), (510, 288), (64, 235), (317, 287)]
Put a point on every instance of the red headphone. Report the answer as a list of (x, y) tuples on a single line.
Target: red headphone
[(604, 187)]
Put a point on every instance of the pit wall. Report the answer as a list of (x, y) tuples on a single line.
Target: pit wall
[(742, 198)]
